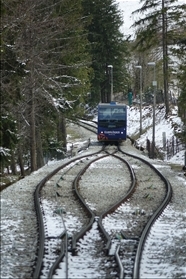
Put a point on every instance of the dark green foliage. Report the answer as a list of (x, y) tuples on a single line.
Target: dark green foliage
[(8, 132), (107, 47), (182, 98), (12, 72), (181, 52), (51, 75), (8, 139)]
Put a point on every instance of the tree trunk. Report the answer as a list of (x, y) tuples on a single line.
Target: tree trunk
[(13, 165), (33, 156), (40, 159), (62, 135), (21, 164)]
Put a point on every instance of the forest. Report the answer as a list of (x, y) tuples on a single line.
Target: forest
[(55, 58)]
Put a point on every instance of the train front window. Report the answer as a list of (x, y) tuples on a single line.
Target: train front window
[(112, 117), (104, 113), (110, 113)]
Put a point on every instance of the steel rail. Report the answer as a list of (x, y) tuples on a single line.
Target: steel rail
[(40, 250), (117, 204), (87, 208), (146, 230), (84, 125), (82, 121), (87, 128), (153, 218), (64, 249), (121, 274)]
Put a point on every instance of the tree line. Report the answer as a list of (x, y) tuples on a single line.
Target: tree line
[(54, 59)]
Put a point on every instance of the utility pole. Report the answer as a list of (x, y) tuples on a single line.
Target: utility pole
[(111, 82), (154, 84), (165, 55), (140, 67)]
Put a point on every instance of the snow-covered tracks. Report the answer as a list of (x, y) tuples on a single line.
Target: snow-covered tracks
[(88, 125), (51, 229), (90, 227), (117, 214), (157, 191)]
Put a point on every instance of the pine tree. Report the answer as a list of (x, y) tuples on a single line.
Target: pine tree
[(12, 72), (107, 47)]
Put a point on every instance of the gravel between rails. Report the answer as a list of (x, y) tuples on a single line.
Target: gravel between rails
[(104, 183)]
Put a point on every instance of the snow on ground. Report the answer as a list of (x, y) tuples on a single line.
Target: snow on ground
[(169, 126), (127, 7), (162, 125)]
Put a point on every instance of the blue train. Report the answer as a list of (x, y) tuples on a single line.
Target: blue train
[(112, 122)]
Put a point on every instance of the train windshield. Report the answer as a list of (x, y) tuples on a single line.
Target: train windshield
[(114, 113), (112, 116)]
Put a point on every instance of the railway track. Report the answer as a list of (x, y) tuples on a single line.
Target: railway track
[(154, 187), (100, 215), (102, 207)]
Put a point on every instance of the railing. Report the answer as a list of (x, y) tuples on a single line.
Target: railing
[(171, 148)]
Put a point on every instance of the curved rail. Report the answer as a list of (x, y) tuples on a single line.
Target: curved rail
[(121, 274), (145, 232), (100, 217), (61, 256), (117, 204), (87, 126), (90, 212), (92, 216), (40, 250), (153, 218)]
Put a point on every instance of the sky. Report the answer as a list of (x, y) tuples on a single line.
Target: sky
[(127, 7)]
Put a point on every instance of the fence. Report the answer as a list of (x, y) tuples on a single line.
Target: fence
[(171, 147), (152, 153)]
